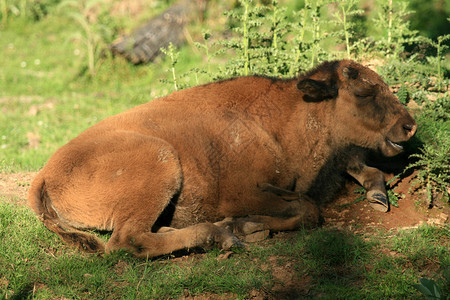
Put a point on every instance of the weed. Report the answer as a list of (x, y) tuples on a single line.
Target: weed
[(361, 192), (173, 54), (25, 9), (347, 9), (393, 22), (393, 196), (206, 36), (93, 35), (441, 48), (247, 45), (433, 165), (429, 289)]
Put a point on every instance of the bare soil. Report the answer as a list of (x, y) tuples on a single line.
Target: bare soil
[(14, 187), (343, 213), (412, 211)]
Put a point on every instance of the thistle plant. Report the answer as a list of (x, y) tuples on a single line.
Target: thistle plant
[(271, 43), (204, 46), (346, 10), (396, 32), (250, 19), (173, 54), (436, 61), (277, 61), (309, 30), (433, 165), (316, 33)]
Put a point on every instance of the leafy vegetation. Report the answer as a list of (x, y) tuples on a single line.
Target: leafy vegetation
[(429, 289), (94, 34), (57, 79)]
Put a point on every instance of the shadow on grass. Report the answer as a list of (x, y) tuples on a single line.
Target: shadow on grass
[(328, 263), (336, 261)]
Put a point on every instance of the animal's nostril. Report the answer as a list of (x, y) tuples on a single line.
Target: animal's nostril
[(410, 129)]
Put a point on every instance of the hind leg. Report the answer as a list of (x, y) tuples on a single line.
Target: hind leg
[(147, 179), (123, 181), (257, 227), (143, 243)]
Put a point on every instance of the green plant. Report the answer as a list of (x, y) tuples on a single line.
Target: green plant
[(317, 53), (4, 11), (93, 34), (210, 54), (433, 167), (206, 36), (441, 48), (393, 196), (249, 18), (269, 41), (33, 10), (392, 20), (173, 54), (429, 289), (361, 192), (346, 10)]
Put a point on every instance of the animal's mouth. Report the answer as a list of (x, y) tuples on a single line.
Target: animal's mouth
[(394, 145)]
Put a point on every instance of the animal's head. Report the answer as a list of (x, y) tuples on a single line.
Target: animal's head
[(365, 112)]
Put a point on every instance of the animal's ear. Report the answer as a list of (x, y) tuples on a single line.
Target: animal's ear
[(350, 73), (315, 90)]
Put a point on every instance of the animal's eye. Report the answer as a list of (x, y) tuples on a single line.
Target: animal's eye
[(364, 91), (365, 95)]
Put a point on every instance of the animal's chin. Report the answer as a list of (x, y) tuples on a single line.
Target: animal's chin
[(390, 148)]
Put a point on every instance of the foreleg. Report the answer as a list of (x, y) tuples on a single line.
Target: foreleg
[(373, 181)]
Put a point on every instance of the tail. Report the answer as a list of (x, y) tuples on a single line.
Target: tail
[(40, 202)]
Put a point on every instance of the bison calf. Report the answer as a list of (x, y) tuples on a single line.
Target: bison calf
[(232, 158)]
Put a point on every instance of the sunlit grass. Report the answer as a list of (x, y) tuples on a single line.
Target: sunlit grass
[(336, 264)]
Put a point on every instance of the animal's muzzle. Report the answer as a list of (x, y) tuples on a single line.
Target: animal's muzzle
[(410, 130)]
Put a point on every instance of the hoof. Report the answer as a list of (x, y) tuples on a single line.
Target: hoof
[(378, 202), (256, 236), (232, 242), (240, 227)]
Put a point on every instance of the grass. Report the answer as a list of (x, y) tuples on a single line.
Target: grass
[(46, 99), (40, 266), (44, 94), (334, 264)]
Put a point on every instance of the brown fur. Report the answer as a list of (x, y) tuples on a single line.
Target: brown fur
[(203, 164)]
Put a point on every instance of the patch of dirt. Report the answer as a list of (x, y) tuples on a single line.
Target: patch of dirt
[(208, 296), (287, 285), (14, 187), (345, 212)]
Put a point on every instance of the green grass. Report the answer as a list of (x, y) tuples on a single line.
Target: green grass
[(338, 265), (42, 91), (36, 264)]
